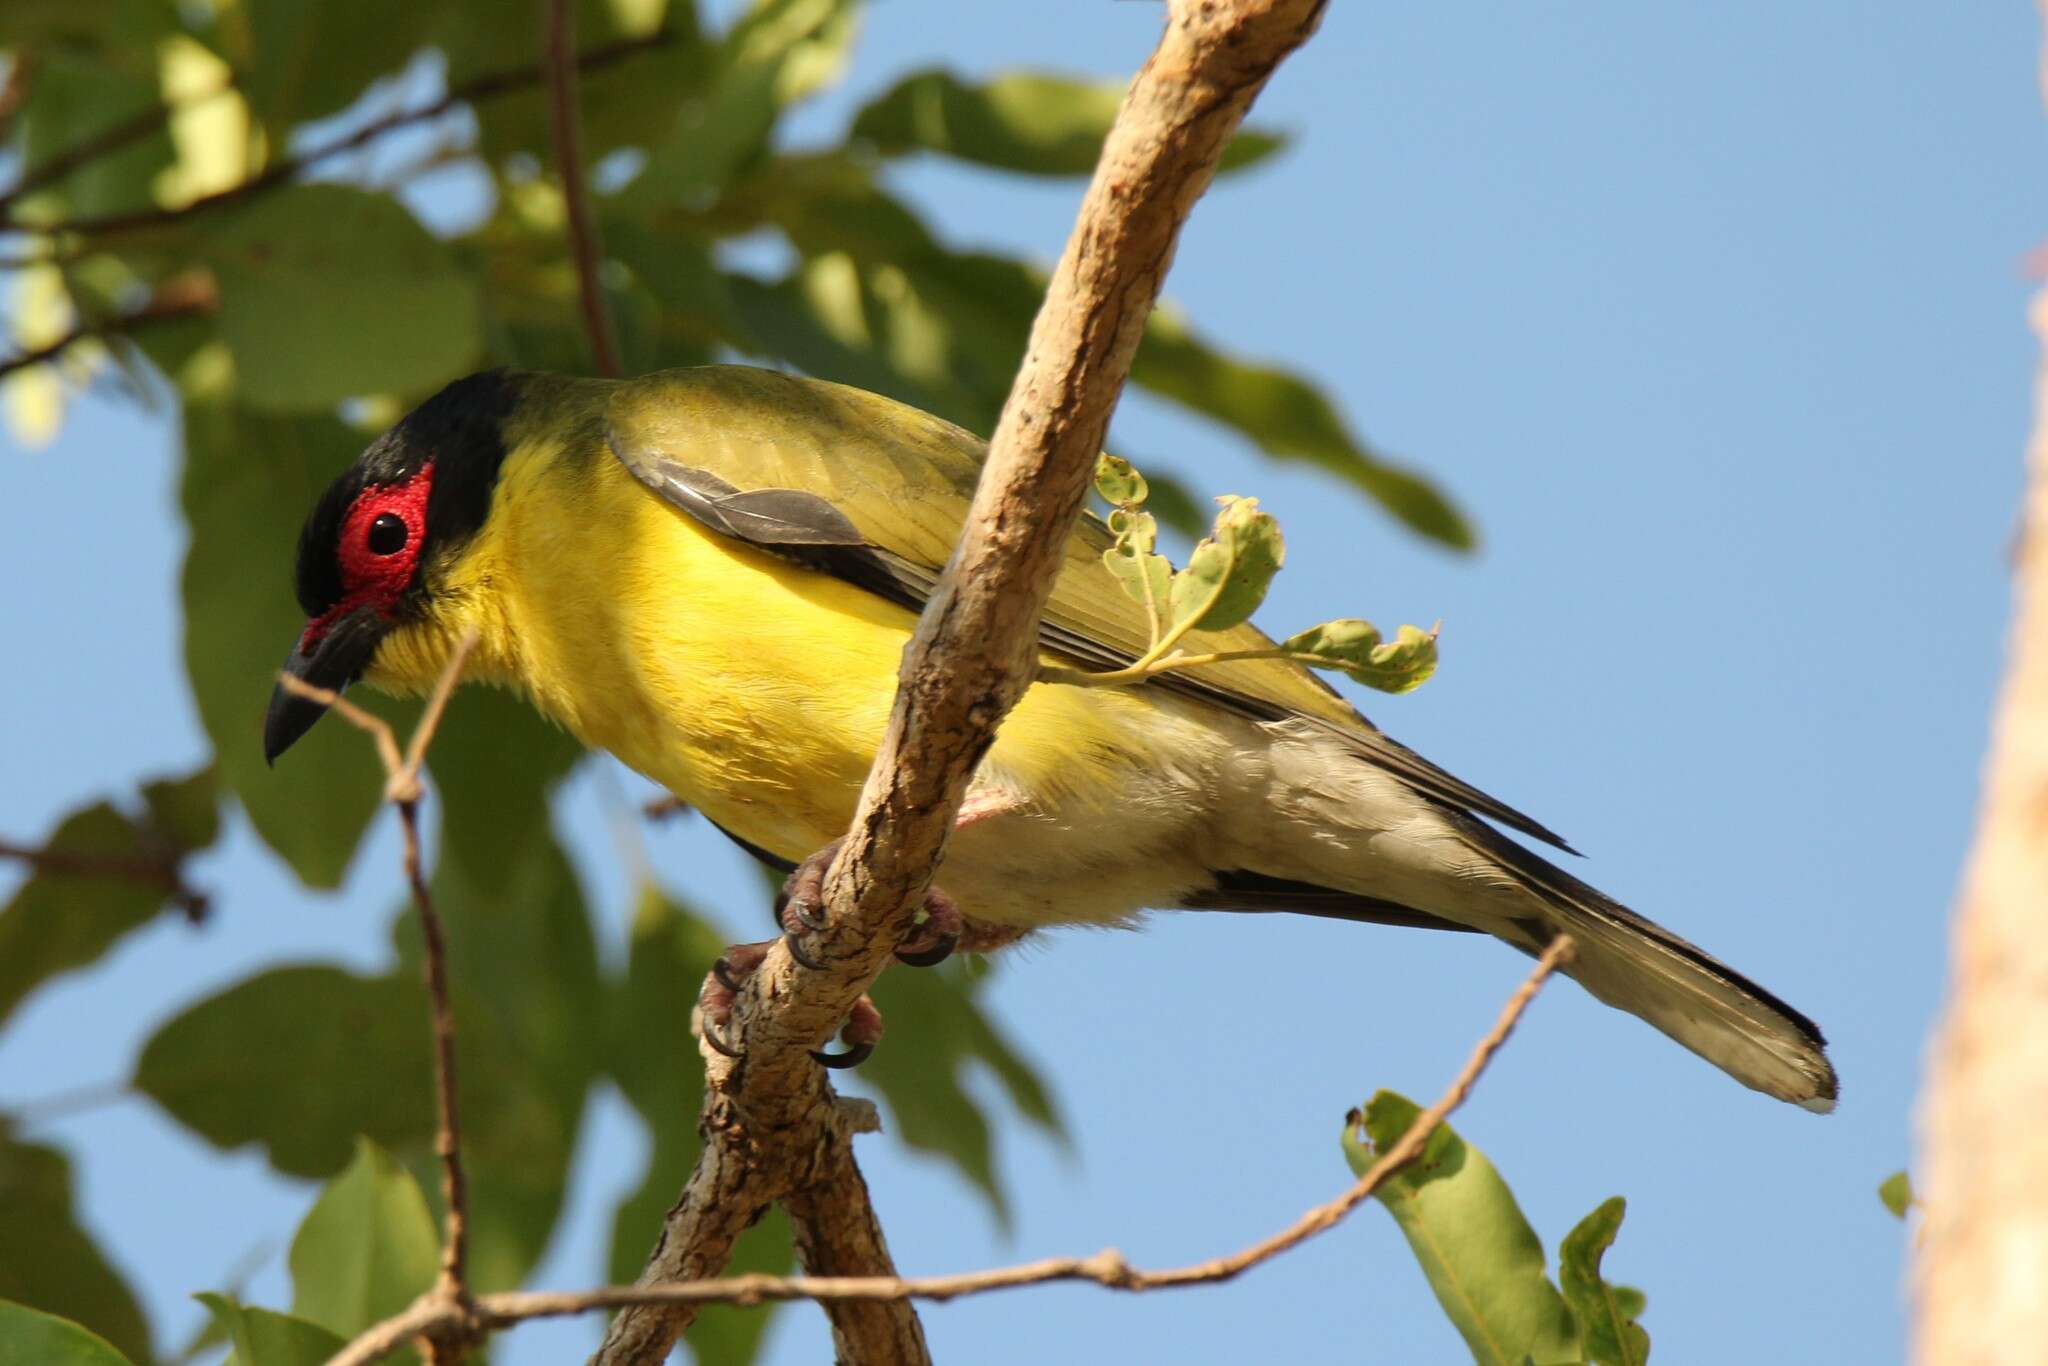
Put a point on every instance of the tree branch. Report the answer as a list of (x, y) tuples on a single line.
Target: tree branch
[(974, 652), (1983, 1254), (485, 87), (1106, 1268), (181, 296), (558, 31)]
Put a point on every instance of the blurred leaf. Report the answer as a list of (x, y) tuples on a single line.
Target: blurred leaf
[(1027, 121), (311, 58), (33, 1338), (938, 1032), (653, 1056), (1289, 419), (1606, 1314), (367, 1248), (1481, 1257), (78, 95), (328, 292), (1896, 1191), (300, 1060), (48, 1261), (62, 920), (1173, 504), (248, 479), (678, 269), (263, 1337), (778, 52), (1353, 646)]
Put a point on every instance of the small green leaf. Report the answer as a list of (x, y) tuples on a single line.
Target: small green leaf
[(1478, 1252), (185, 810), (264, 1337), (329, 292), (47, 1259), (1027, 121), (1606, 1314), (1353, 645), (32, 1338), (367, 1248), (1896, 1191), (1230, 569), (1117, 482)]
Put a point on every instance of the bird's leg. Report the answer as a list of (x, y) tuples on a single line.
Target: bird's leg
[(861, 1032), (940, 928)]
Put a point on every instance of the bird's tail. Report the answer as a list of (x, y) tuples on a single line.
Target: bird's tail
[(1639, 966)]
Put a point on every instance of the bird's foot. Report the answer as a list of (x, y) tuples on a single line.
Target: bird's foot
[(800, 908), (861, 1032)]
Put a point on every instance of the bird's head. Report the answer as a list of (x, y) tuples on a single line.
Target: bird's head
[(378, 541)]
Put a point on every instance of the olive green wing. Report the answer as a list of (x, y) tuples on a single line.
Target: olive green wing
[(874, 492)]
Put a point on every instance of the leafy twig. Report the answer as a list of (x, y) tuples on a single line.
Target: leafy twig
[(166, 868), (558, 22), (1106, 1268)]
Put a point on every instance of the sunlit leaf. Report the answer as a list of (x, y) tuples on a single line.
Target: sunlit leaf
[(1028, 121), (1353, 646), (34, 1338), (327, 292), (1118, 482), (1606, 1314), (49, 1262), (1229, 571), (1896, 1191), (366, 1249), (1481, 1258)]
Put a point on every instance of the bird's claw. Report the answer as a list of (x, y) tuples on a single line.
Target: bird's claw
[(933, 940), (800, 905), (861, 1032)]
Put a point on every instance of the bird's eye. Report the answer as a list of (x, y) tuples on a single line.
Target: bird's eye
[(387, 534)]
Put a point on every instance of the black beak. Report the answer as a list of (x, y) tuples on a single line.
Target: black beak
[(336, 661)]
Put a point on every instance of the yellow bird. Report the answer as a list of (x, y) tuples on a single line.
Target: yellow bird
[(712, 573)]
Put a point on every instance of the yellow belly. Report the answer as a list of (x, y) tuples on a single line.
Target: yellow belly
[(755, 690)]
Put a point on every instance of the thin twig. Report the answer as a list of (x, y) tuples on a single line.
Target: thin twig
[(1106, 1268), (484, 87), (166, 869), (181, 296), (450, 1295), (558, 32), (106, 142)]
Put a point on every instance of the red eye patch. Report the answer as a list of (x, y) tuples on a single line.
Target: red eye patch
[(373, 573)]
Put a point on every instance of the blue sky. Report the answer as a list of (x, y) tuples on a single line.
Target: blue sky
[(1713, 319)]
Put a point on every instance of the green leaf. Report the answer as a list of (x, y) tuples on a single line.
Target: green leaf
[(248, 479), (328, 292), (1289, 419), (1896, 1191), (1028, 121), (311, 58), (1606, 1314), (924, 1085), (47, 1260), (61, 919), (263, 1337), (33, 1338), (78, 95), (653, 1056), (1230, 569), (1353, 645), (1481, 1258), (776, 54), (299, 1060), (367, 1248), (1117, 482), (1173, 504)]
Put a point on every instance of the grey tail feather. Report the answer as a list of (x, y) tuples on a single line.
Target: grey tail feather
[(1639, 966)]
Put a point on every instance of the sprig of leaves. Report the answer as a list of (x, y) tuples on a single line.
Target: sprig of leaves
[(1226, 578)]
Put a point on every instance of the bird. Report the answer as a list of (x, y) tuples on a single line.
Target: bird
[(712, 573)]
